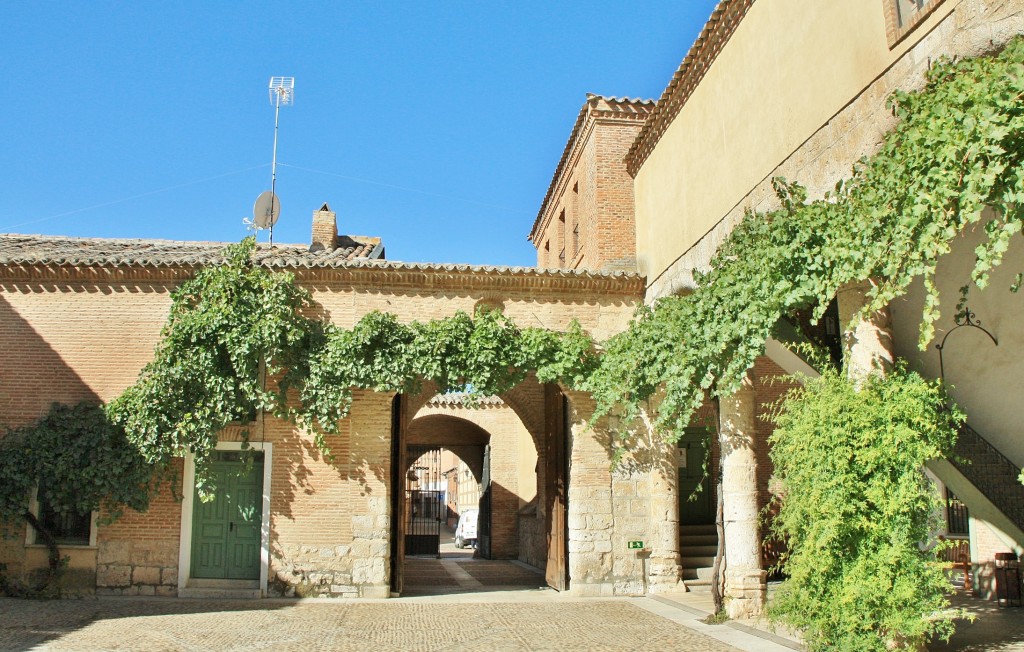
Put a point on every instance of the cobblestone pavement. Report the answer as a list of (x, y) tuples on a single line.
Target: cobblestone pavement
[(429, 576), (157, 625), (994, 628)]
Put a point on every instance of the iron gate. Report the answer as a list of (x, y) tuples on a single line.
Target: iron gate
[(424, 513)]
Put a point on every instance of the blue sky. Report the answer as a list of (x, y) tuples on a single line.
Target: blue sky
[(436, 126)]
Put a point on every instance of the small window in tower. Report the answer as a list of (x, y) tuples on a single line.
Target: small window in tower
[(575, 240), (901, 16)]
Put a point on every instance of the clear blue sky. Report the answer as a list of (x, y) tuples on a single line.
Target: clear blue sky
[(436, 126)]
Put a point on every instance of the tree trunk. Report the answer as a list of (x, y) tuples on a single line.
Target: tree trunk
[(718, 572), (54, 568)]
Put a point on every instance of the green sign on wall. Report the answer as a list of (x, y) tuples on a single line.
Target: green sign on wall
[(636, 545)]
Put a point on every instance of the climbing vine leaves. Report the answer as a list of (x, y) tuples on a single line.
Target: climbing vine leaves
[(243, 340), (229, 328), (958, 148), (855, 508)]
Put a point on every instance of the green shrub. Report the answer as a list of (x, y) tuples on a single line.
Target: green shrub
[(858, 513)]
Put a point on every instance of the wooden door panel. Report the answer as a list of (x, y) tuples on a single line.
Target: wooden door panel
[(226, 532), (555, 487)]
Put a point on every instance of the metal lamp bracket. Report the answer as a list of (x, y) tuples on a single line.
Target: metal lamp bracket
[(966, 318)]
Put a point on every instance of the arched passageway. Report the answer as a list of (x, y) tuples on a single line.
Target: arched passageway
[(483, 464)]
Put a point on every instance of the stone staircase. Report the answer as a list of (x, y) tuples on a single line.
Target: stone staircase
[(698, 545), (991, 472)]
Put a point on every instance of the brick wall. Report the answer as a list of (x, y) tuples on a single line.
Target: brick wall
[(593, 192), (85, 333)]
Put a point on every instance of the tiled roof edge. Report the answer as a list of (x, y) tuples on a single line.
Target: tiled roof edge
[(716, 33), (290, 258), (640, 106)]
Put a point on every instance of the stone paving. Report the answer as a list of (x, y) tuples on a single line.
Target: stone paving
[(157, 625), (458, 604), (431, 576), (994, 628)]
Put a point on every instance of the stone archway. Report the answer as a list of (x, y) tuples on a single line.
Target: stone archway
[(515, 429)]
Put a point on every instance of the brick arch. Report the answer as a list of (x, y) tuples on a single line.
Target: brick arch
[(415, 402), (527, 401), (464, 438)]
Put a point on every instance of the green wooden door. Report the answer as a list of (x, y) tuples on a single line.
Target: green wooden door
[(226, 530), (695, 507)]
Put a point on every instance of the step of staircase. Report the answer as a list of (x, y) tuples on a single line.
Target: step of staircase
[(698, 585), (698, 545), (705, 550), (687, 540), (221, 589)]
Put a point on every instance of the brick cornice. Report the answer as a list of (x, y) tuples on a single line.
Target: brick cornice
[(401, 277), (716, 33), (606, 110)]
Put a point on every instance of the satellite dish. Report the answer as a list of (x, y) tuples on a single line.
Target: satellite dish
[(266, 210)]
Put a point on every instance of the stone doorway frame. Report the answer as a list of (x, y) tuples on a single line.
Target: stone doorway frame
[(188, 486)]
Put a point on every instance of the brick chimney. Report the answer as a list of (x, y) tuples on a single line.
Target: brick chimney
[(325, 229)]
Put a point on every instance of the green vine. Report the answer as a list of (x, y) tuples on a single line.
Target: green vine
[(486, 354), (855, 509), (79, 462), (230, 327), (958, 148), (237, 324)]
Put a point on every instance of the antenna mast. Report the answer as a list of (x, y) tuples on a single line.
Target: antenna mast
[(282, 93)]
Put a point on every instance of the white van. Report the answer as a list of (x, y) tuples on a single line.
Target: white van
[(465, 533)]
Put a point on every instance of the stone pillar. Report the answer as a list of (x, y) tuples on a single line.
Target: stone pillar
[(745, 581), (664, 564), (369, 467), (867, 339), (590, 515)]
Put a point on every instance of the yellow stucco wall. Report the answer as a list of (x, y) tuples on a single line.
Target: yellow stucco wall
[(789, 67)]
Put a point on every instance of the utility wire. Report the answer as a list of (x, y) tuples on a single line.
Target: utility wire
[(139, 196), (393, 186)]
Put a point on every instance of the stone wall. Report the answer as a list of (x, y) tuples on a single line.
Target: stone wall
[(532, 536)]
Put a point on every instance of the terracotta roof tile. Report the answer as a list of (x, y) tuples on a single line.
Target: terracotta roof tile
[(61, 250), (45, 250)]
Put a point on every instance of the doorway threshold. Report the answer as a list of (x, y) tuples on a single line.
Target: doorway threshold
[(221, 589)]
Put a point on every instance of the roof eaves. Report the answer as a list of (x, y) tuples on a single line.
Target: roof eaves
[(617, 107), (716, 33)]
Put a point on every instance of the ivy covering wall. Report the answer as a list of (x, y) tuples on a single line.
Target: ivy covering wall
[(957, 149)]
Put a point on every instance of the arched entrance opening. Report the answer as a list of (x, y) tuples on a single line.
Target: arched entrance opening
[(503, 458)]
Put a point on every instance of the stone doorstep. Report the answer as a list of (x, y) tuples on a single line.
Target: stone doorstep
[(216, 589)]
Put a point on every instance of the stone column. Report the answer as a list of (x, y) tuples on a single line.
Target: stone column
[(867, 339), (745, 581), (590, 514), (369, 468), (664, 563)]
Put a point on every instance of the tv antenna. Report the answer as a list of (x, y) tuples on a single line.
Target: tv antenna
[(268, 207)]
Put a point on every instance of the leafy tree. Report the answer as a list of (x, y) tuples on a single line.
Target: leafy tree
[(79, 462), (857, 512)]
